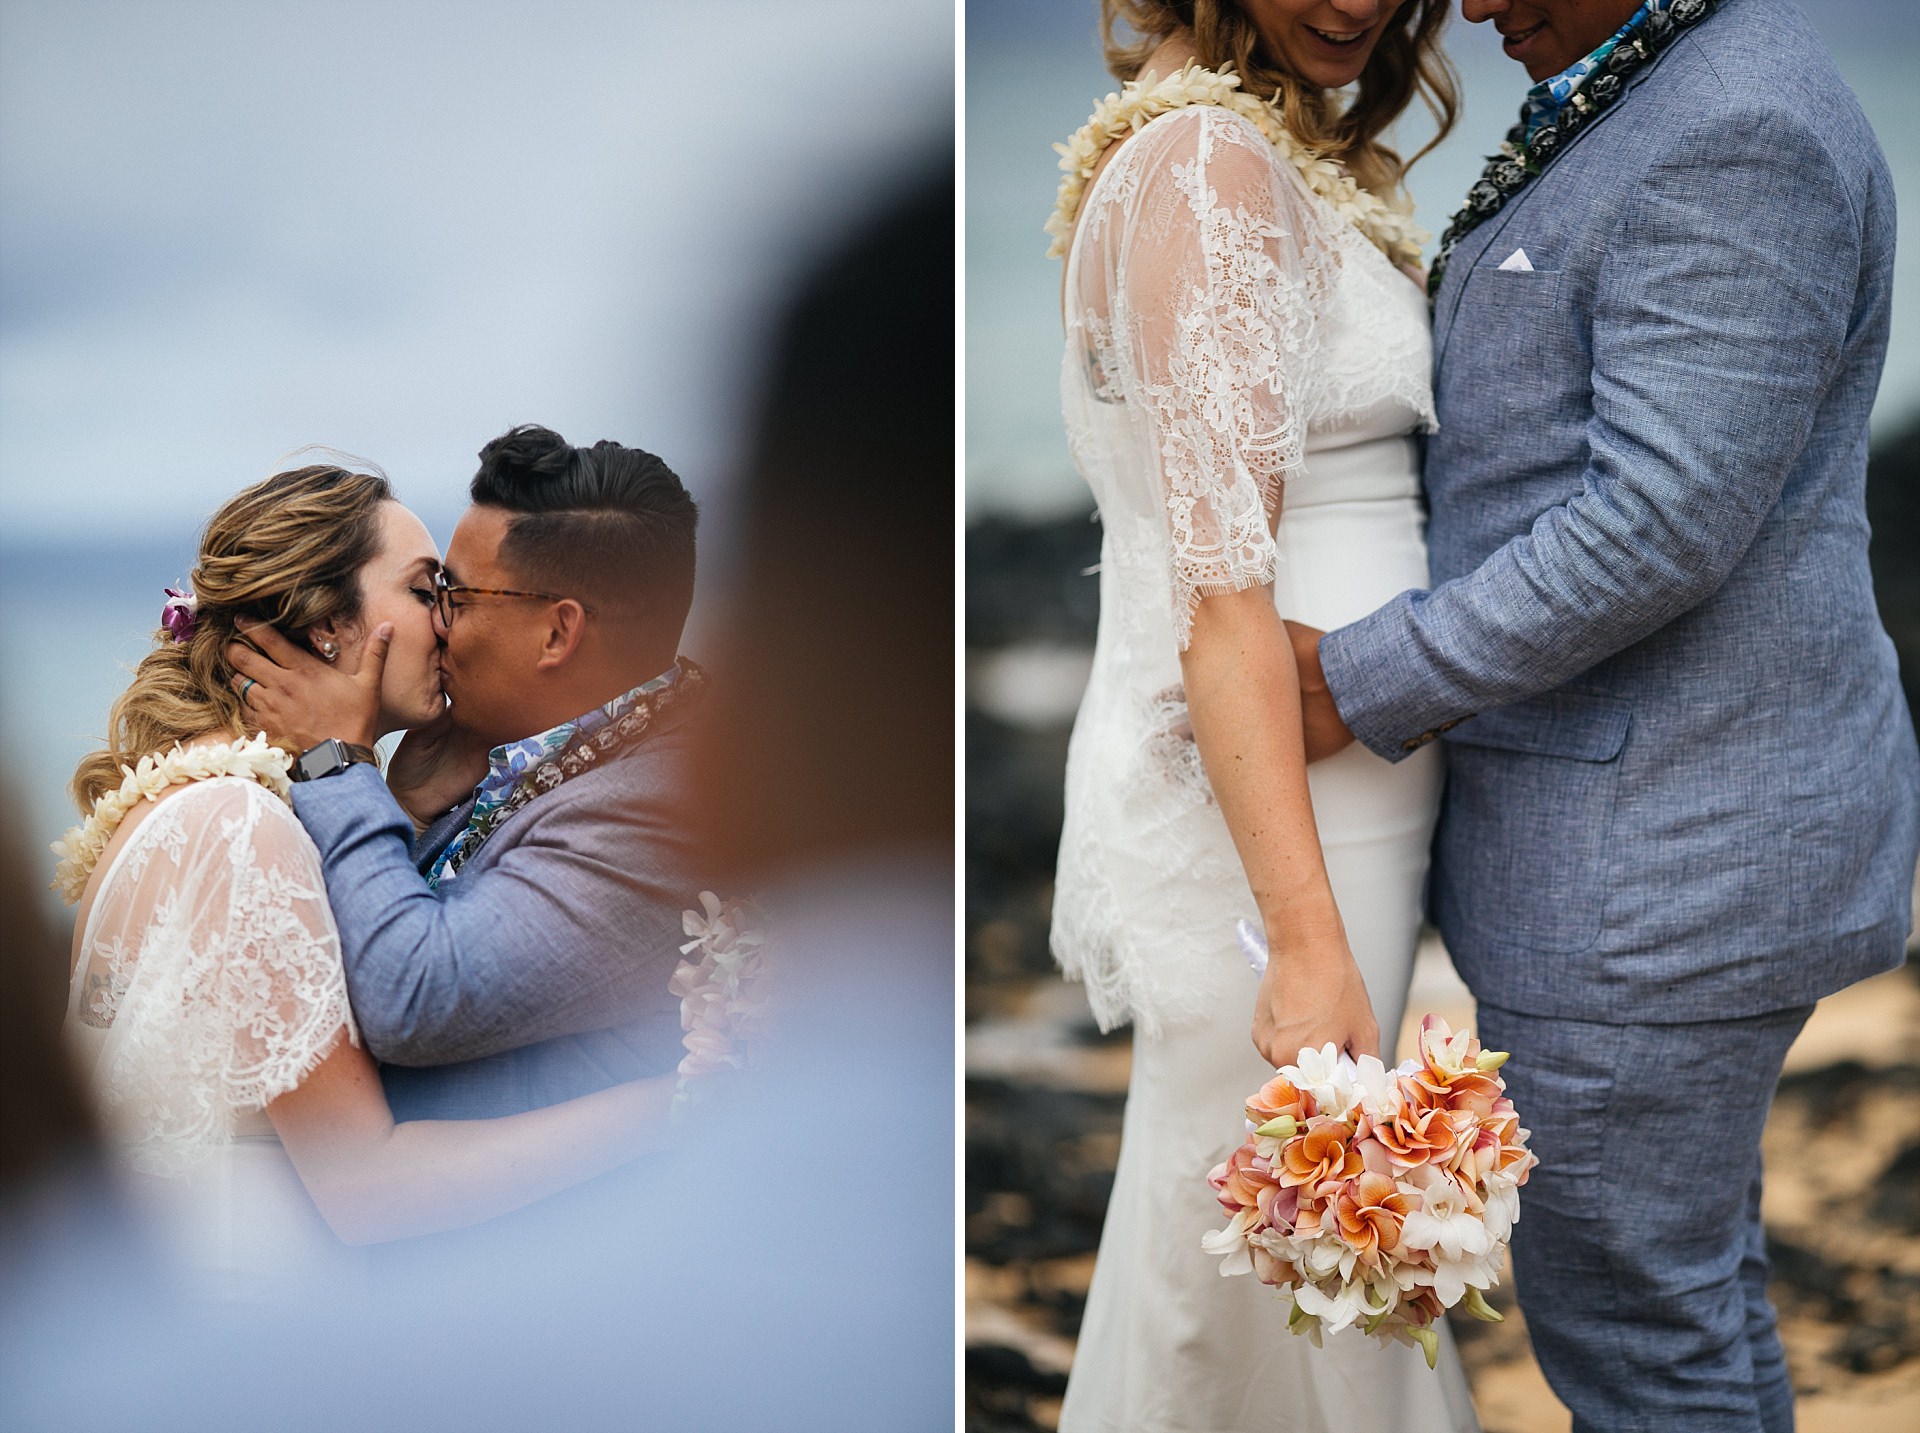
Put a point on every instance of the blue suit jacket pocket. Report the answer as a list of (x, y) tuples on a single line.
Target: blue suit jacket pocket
[(1528, 823), (1580, 726), (1512, 288)]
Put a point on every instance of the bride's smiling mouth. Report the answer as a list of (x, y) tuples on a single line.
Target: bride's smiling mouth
[(1338, 41)]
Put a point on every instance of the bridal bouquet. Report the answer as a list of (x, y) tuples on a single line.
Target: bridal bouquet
[(722, 990), (1377, 1197)]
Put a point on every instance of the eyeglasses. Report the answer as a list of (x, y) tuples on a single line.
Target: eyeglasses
[(443, 591)]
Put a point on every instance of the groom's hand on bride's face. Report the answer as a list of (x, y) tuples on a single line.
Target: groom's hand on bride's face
[(1320, 720), (298, 698), (435, 767)]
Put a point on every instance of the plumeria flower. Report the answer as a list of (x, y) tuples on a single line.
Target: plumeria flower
[(1326, 1074), (1230, 1245)]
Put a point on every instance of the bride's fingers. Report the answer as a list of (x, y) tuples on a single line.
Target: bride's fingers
[(263, 638), (373, 661), (248, 664)]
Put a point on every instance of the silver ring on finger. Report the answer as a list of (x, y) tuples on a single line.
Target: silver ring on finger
[(245, 687)]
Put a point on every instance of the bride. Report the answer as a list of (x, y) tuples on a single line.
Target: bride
[(1242, 323), (207, 996)]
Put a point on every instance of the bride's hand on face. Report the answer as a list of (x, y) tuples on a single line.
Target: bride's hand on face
[(360, 677), (1312, 995), (297, 697)]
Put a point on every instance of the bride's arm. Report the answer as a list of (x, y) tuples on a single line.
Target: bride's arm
[(1243, 701), (373, 1179), (1218, 262)]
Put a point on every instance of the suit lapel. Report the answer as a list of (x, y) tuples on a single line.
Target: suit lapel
[(1472, 248)]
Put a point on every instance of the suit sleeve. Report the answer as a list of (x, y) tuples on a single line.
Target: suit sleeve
[(1722, 311), (565, 933)]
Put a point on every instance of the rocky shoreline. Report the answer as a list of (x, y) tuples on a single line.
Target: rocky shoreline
[(1045, 1088)]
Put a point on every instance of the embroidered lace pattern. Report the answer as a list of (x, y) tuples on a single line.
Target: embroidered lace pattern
[(210, 980), (1221, 319)]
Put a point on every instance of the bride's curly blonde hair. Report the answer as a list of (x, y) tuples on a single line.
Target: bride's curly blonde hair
[(287, 551), (1407, 61)]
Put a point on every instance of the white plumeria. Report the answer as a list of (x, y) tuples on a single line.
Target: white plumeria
[(1327, 1074), (723, 990), (1339, 1306), (1387, 223), (1445, 1221), (1229, 1245), (80, 849)]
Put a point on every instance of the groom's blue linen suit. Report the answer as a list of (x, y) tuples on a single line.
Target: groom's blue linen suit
[(540, 974), (1683, 797)]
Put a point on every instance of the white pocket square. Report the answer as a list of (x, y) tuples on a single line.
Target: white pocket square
[(1517, 263)]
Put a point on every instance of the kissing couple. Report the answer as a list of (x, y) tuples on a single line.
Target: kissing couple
[(318, 1006)]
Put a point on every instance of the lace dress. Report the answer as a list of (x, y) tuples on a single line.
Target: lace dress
[(209, 983), (1226, 333)]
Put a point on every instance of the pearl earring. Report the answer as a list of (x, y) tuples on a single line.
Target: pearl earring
[(328, 651)]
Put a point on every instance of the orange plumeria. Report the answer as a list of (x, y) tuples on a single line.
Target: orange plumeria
[(1323, 1155), (1279, 1097), (1417, 1133), (1369, 1211)]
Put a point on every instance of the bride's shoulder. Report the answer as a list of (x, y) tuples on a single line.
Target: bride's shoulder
[(230, 812), (1199, 131)]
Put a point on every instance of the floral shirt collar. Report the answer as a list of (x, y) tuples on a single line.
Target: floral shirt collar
[(1546, 99), (508, 763)]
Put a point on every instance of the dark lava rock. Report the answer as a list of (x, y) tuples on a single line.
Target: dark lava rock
[(1015, 798), (1029, 582), (1805, 1279), (1010, 1368), (1013, 802), (1873, 1347), (1834, 1092), (1039, 1169), (1897, 1200), (1893, 507), (1000, 1381)]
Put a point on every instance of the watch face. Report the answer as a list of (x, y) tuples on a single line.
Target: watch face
[(322, 760)]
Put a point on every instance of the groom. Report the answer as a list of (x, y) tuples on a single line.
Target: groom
[(1684, 798), (519, 954)]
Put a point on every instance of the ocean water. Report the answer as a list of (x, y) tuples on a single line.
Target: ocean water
[(78, 619), (1033, 73)]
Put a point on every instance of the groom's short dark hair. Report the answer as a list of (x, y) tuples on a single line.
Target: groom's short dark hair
[(611, 525)]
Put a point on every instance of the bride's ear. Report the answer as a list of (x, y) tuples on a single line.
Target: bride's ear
[(327, 639)]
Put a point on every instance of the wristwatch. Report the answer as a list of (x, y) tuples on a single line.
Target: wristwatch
[(330, 758)]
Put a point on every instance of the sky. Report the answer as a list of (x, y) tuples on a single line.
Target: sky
[(229, 229)]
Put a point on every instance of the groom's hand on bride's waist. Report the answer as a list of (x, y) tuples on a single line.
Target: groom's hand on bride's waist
[(300, 699), (1325, 732)]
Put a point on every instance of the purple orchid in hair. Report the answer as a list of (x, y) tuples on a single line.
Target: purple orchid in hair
[(180, 615)]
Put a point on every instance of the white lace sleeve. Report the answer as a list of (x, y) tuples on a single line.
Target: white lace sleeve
[(217, 968), (1215, 288)]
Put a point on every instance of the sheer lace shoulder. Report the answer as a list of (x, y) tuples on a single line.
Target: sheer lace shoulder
[(211, 968), (1198, 281)]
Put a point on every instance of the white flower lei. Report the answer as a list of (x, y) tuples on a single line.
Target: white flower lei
[(723, 991), (1387, 224), (79, 850)]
